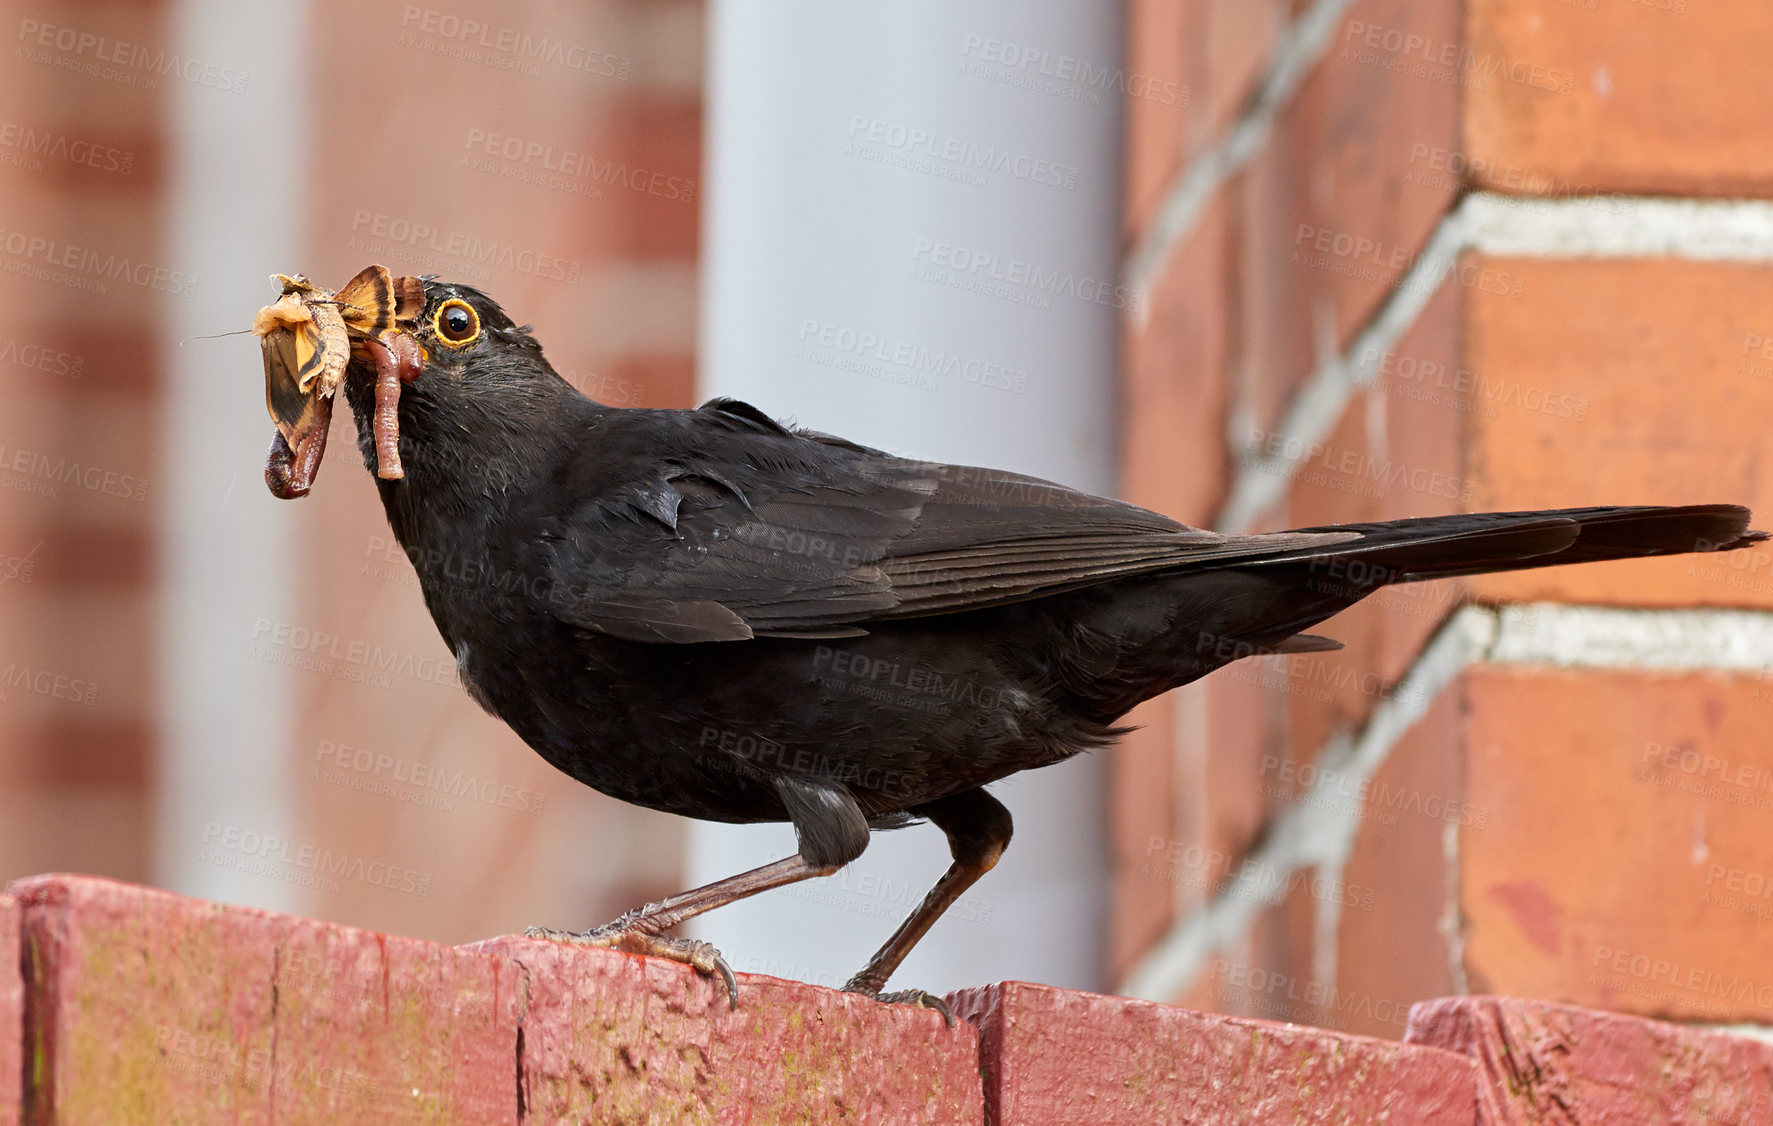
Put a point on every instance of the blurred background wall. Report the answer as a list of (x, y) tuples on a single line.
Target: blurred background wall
[(1253, 264)]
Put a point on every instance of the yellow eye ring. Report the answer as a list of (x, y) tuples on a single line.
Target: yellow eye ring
[(456, 323)]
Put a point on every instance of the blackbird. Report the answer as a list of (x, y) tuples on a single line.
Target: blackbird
[(714, 614)]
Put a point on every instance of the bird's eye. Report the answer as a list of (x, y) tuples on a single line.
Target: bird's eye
[(456, 323)]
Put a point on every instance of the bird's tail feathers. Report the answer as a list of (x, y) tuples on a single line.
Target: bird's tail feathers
[(1437, 547)]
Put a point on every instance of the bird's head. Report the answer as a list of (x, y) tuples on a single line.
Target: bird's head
[(451, 388), (480, 398), (469, 348)]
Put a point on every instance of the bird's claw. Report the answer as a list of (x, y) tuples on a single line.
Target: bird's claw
[(571, 938), (915, 997), (699, 956)]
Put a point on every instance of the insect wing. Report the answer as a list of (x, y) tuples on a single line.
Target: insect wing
[(375, 302), (285, 394)]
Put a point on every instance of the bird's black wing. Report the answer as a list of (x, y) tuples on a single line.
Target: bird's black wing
[(743, 528)]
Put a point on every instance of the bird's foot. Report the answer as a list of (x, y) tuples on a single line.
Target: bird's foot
[(631, 936), (915, 997)]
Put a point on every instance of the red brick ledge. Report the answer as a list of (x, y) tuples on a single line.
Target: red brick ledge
[(151, 1008), (1054, 1057), (12, 1014), (611, 1037), (1541, 1062), (122, 1004)]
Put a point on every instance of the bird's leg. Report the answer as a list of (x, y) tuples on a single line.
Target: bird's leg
[(832, 832), (642, 931), (978, 829)]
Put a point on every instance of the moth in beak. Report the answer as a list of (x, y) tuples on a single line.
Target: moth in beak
[(307, 337)]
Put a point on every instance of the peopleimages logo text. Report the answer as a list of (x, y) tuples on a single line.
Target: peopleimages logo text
[(1016, 272), (321, 861)]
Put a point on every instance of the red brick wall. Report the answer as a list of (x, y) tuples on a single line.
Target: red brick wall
[(1585, 834)]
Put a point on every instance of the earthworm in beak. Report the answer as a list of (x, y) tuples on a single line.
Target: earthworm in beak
[(398, 361)]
